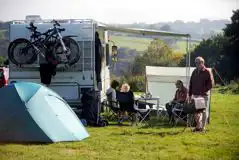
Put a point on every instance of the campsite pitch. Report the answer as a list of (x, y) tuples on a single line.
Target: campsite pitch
[(157, 142)]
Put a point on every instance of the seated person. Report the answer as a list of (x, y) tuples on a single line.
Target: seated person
[(111, 94), (126, 99), (180, 97)]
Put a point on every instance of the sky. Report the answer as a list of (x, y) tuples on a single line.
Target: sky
[(120, 11)]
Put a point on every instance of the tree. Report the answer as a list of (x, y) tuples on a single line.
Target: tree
[(2, 60), (166, 28), (231, 31), (210, 49), (177, 57), (221, 51), (157, 54), (3, 47), (228, 65)]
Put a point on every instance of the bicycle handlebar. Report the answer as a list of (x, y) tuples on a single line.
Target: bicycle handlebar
[(37, 34), (32, 27), (55, 23)]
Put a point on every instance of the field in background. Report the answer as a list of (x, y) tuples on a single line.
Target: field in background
[(150, 143), (141, 44), (2, 34)]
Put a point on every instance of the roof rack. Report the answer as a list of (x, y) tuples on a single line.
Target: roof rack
[(74, 21)]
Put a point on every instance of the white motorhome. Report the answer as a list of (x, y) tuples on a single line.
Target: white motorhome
[(68, 82)]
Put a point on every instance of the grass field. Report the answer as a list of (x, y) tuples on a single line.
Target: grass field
[(141, 44), (221, 142), (2, 32)]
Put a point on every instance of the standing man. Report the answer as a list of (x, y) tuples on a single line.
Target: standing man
[(200, 83)]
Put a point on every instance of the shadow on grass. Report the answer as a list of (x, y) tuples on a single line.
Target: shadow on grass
[(158, 124), (120, 125), (24, 143), (161, 134), (111, 124), (161, 123), (154, 122)]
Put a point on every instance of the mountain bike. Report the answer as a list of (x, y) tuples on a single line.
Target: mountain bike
[(50, 45)]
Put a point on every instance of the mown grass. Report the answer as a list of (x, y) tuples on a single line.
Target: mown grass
[(2, 33), (220, 142), (141, 44), (181, 46)]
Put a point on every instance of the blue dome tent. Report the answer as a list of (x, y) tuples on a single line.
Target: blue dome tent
[(31, 112)]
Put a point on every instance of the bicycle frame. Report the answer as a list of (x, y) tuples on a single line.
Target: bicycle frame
[(55, 31), (40, 42)]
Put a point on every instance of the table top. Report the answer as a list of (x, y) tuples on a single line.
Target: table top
[(152, 98), (147, 103)]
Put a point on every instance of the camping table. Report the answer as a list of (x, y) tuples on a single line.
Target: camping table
[(149, 99)]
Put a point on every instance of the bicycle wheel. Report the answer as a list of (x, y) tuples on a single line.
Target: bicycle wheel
[(25, 52), (73, 48)]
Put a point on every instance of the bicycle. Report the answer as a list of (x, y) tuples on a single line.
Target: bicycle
[(47, 45)]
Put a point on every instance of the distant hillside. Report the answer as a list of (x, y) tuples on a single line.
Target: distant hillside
[(198, 30)]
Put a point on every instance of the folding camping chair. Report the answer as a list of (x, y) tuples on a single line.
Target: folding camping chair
[(126, 104), (184, 112), (143, 110), (160, 109), (112, 107), (178, 114), (162, 112)]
